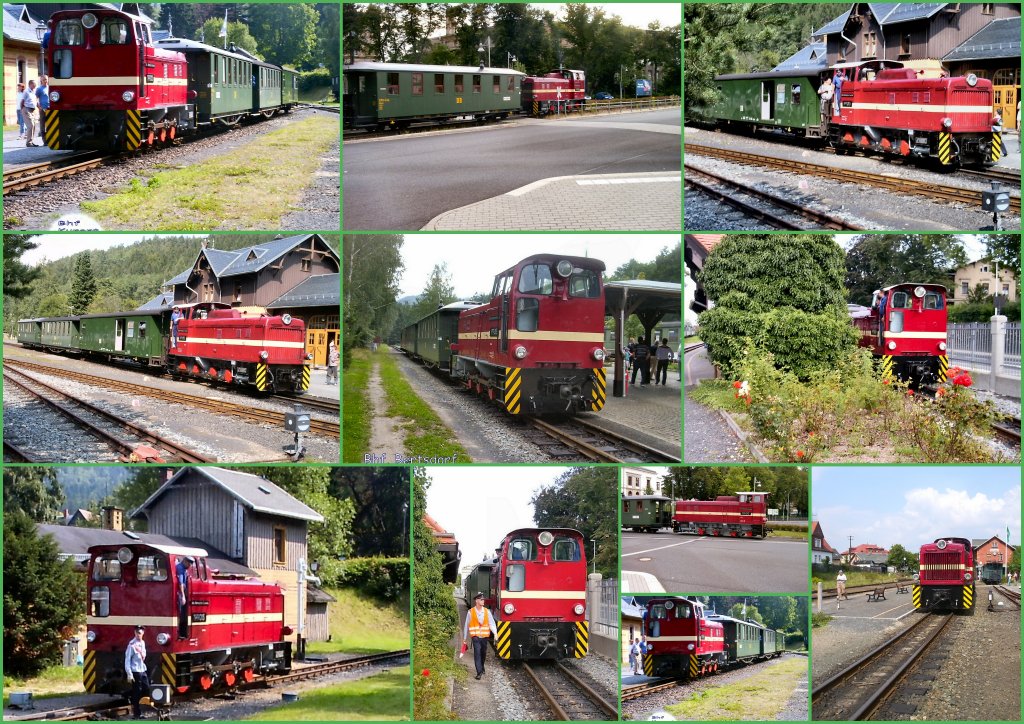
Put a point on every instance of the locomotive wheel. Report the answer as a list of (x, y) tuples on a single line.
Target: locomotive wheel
[(205, 682), (229, 678), (163, 135), (150, 137)]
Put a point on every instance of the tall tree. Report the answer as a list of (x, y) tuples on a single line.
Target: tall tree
[(18, 276), (584, 499), (380, 497), (34, 491), (438, 291), (83, 285), (180, 19), (875, 261), (372, 264), (44, 598), (284, 32), (238, 35)]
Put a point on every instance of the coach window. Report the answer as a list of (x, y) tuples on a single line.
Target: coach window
[(794, 93), (417, 84), (152, 568), (460, 83), (585, 283), (565, 549), (114, 31), (535, 279), (497, 84), (439, 83), (392, 84), (476, 83), (780, 94)]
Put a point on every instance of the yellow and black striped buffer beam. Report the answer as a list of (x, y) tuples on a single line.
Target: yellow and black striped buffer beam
[(943, 367), (945, 147), (968, 596), (648, 665), (168, 669), (997, 146), (582, 639), (916, 596), (305, 377), (513, 389), (89, 671), (53, 130), (693, 665), (262, 378), (887, 362), (503, 643), (132, 130), (598, 391)]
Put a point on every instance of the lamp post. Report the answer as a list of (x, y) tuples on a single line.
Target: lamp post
[(510, 59), (40, 34)]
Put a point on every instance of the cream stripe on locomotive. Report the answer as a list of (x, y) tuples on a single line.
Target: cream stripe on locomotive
[(560, 595), (543, 336), (910, 107), (914, 335), (943, 567), (133, 80), (172, 621), (727, 515), (244, 342)]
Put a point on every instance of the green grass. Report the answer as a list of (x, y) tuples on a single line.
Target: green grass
[(760, 696), (819, 619), (251, 187), (54, 681), (788, 533), (425, 434), (363, 624), (691, 340), (381, 697), (357, 415)]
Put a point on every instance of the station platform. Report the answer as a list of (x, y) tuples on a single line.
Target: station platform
[(649, 201), (16, 153), (650, 414)]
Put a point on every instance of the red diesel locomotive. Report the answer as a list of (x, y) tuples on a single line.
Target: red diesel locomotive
[(557, 91), (110, 86), (229, 630), (217, 342), (743, 515), (886, 107), (539, 587), (537, 347), (946, 576), (905, 329)]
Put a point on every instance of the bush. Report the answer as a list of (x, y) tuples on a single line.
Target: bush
[(312, 79), (964, 313), (386, 578)]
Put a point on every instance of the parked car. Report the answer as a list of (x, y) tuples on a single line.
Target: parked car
[(603, 96)]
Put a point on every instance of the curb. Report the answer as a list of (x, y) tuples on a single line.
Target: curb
[(744, 438)]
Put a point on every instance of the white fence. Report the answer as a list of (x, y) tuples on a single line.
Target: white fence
[(990, 350), (604, 607)]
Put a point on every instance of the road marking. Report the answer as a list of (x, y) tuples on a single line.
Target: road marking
[(671, 545)]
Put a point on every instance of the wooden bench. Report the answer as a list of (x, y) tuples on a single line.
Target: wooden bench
[(877, 595), (902, 588)]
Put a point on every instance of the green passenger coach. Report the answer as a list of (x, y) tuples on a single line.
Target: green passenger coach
[(136, 335), (381, 95), (770, 100)]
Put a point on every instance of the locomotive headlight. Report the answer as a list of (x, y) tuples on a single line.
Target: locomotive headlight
[(689, 647), (286, 319), (947, 123), (509, 609), (968, 577), (669, 605), (264, 355), (972, 79), (942, 346), (578, 609), (163, 638), (520, 352), (54, 96), (90, 636), (918, 292), (128, 96), (598, 353), (891, 345), (545, 538), (564, 268), (125, 555), (941, 544), (89, 21)]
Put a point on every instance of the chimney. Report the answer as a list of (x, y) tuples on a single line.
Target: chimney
[(113, 518)]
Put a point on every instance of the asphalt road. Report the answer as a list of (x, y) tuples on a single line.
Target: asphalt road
[(401, 183), (697, 564)]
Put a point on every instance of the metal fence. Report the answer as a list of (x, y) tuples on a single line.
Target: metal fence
[(970, 345), (604, 608)]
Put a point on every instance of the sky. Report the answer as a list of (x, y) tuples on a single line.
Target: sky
[(640, 15), (473, 260), (480, 504), (57, 246), (915, 505), (974, 245)]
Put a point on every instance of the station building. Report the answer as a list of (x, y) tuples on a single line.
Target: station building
[(992, 550), (636, 480)]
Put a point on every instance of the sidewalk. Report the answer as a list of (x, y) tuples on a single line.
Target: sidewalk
[(649, 201), (650, 414), (16, 153)]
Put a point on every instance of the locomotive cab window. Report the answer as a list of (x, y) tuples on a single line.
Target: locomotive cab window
[(516, 574), (901, 300), (152, 568), (114, 31), (565, 549), (106, 568), (527, 314), (521, 549), (69, 32), (585, 283), (535, 279), (933, 301)]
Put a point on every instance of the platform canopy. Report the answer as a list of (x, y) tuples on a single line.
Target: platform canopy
[(650, 301)]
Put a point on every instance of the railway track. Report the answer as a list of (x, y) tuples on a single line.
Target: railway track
[(641, 690), (327, 428), (1009, 594), (581, 437), (319, 404), (1008, 176), (16, 454), (567, 695), (136, 447), (925, 189), (857, 691), (723, 189), (1008, 428), (36, 174)]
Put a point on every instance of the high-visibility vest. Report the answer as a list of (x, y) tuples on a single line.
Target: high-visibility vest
[(478, 628)]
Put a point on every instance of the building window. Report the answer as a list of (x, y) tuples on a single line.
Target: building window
[(984, 269), (965, 288), (307, 265), (905, 44), (988, 8), (870, 45), (280, 546)]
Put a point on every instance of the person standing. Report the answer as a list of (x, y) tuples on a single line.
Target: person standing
[(641, 362), (643, 650), (135, 669), (176, 316), (664, 355), (43, 102), (825, 92), (632, 656), (840, 586), (181, 574), (333, 358), (837, 83), (30, 113), (478, 628), (17, 104)]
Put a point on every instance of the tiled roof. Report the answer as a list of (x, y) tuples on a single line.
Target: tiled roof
[(998, 39)]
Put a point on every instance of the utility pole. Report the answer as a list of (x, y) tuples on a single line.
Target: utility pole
[(849, 551)]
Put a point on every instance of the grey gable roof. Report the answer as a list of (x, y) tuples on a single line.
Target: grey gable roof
[(158, 302), (317, 291), (887, 14), (16, 28), (998, 39), (256, 493), (810, 57), (237, 261)]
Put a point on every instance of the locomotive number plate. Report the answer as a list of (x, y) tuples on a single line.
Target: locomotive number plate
[(198, 618)]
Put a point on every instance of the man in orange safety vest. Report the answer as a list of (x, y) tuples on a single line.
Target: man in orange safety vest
[(478, 628)]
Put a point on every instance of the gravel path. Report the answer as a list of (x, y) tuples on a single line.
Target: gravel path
[(708, 439), (387, 436)]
